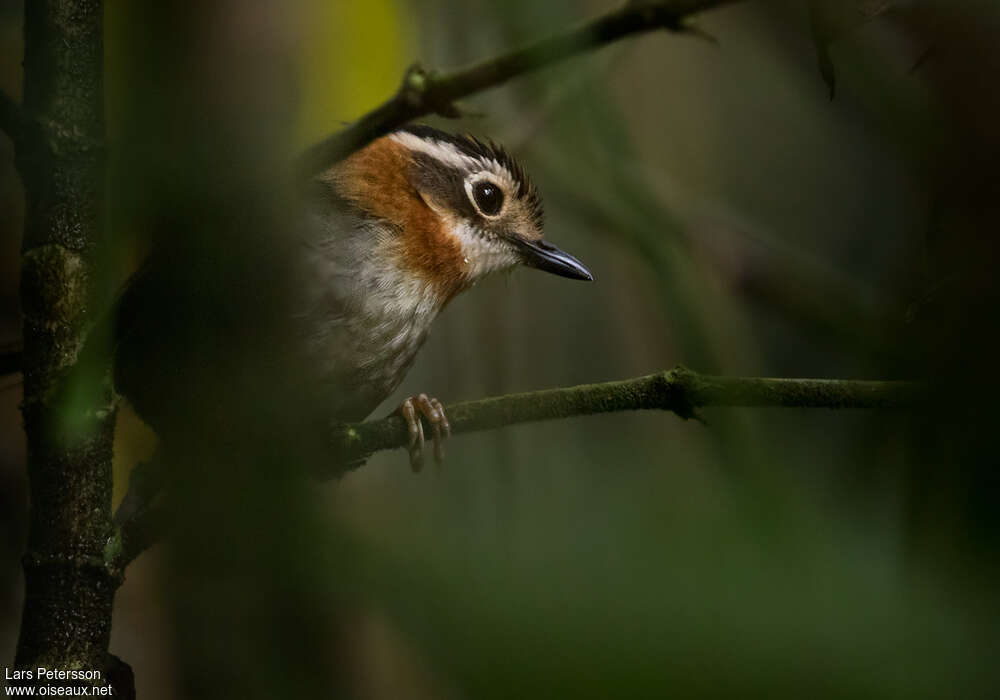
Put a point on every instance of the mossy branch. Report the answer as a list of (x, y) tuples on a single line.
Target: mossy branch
[(426, 92), (679, 390), (69, 589)]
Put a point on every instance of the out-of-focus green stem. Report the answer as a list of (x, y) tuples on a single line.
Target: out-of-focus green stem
[(679, 390), (426, 92)]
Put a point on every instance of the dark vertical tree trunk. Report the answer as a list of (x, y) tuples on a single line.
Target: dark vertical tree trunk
[(69, 574)]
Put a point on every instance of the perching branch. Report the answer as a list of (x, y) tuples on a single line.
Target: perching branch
[(679, 390), (426, 92)]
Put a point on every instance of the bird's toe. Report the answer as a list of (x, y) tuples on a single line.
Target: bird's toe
[(408, 410), (422, 405)]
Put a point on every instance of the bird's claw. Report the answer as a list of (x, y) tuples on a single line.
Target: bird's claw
[(430, 408)]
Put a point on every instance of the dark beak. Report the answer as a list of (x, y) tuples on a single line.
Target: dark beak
[(545, 256)]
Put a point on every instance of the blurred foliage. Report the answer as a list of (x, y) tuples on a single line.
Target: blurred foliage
[(327, 35)]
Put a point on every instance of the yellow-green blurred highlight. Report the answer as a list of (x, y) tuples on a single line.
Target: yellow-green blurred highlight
[(135, 442), (368, 39)]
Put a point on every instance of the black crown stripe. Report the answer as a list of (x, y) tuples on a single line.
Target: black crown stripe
[(471, 146)]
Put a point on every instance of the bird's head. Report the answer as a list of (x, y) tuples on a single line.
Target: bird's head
[(458, 208)]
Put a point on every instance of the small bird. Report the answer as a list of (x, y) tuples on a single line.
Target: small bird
[(399, 228), (388, 237)]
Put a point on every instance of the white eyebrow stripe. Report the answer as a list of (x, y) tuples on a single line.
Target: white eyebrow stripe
[(451, 156), (444, 152)]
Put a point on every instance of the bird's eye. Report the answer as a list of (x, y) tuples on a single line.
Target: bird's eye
[(488, 196)]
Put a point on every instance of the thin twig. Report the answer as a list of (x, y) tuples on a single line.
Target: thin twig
[(679, 390), (426, 92)]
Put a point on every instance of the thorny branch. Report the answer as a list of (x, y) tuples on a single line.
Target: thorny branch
[(426, 92)]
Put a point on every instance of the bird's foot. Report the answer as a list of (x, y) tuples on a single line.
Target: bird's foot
[(411, 410)]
